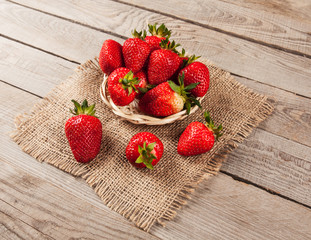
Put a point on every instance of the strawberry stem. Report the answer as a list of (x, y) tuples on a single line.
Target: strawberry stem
[(190, 59), (210, 124), (161, 31), (146, 157), (189, 99), (84, 108), (166, 44), (129, 82), (141, 35)]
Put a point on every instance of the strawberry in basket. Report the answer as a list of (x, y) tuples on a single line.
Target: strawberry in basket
[(196, 72), (163, 63), (168, 98), (158, 34), (135, 52), (110, 56), (144, 150), (84, 132), (123, 85)]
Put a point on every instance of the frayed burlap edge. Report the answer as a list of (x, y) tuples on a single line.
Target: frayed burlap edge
[(262, 112)]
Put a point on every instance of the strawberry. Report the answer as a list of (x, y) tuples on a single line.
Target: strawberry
[(198, 138), (84, 132), (167, 98), (110, 56), (158, 34), (122, 86), (196, 72), (163, 63), (135, 52), (144, 150)]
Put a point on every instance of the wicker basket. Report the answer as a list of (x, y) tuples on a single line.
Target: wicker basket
[(132, 113)]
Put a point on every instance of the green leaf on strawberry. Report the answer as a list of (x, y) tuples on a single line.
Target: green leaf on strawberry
[(183, 92), (129, 82), (210, 124), (146, 157)]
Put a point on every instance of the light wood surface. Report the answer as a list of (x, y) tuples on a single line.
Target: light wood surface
[(43, 41)]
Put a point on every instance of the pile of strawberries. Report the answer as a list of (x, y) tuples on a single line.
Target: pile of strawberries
[(151, 69), (165, 82)]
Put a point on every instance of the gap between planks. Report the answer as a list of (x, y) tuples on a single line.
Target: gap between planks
[(237, 178), (70, 20), (40, 49)]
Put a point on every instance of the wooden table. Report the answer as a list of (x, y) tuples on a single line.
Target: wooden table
[(264, 188)]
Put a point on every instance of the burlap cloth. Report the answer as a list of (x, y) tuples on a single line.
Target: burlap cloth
[(141, 195)]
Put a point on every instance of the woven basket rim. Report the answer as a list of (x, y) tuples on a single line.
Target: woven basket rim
[(132, 113)]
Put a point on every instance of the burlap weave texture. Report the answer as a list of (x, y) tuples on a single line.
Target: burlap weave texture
[(141, 195)]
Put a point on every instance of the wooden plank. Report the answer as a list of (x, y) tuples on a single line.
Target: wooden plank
[(297, 9), (244, 58), (31, 69), (55, 213), (274, 163), (291, 110), (59, 37), (252, 24), (291, 118), (226, 209), (12, 227)]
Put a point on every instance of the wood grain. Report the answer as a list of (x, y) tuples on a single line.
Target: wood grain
[(298, 10), (247, 161), (291, 118), (54, 213), (244, 58), (274, 163), (12, 227), (31, 69), (220, 209), (251, 24)]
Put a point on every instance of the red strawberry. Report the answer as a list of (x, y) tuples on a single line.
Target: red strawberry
[(197, 72), (84, 132), (163, 63), (167, 98), (122, 86), (135, 52), (158, 34), (144, 150), (198, 138), (110, 56)]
